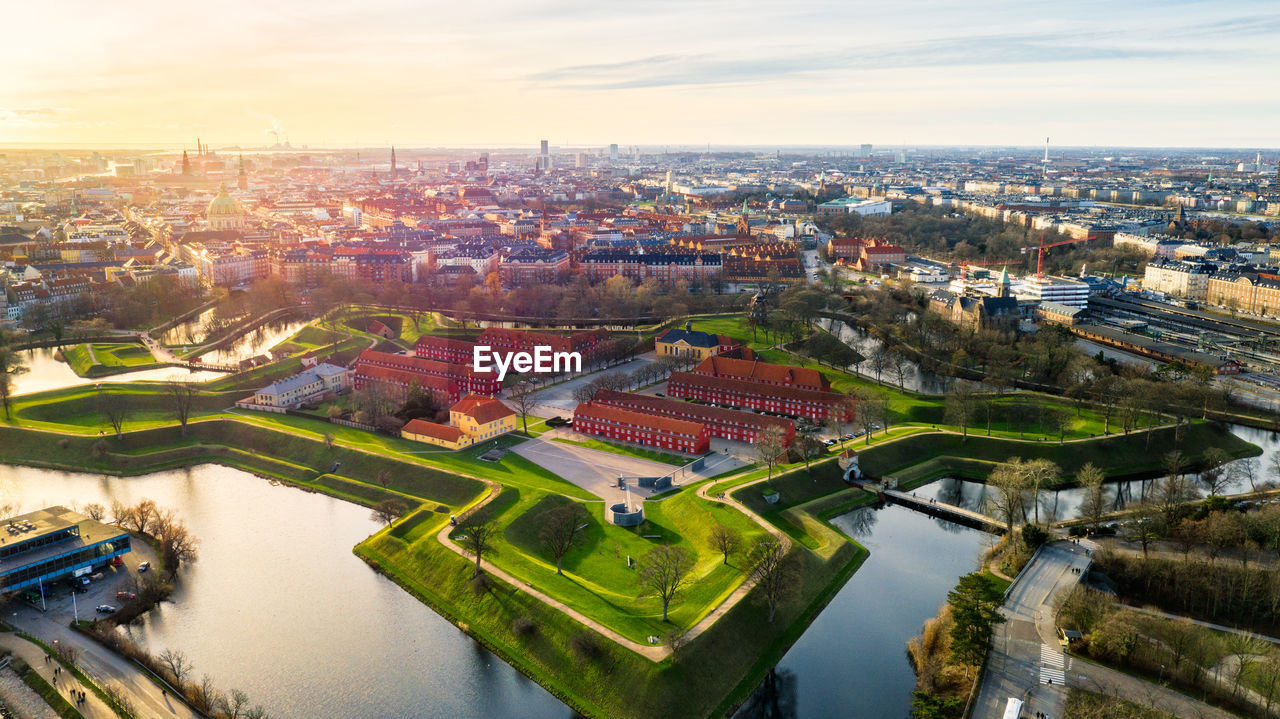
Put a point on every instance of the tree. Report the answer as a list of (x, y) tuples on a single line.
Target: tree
[(234, 704), (522, 396), (975, 609), (725, 540), (1118, 636), (95, 511), (1091, 479), (1039, 472), (899, 367), (177, 664), (177, 544), (772, 571), (12, 364), (1057, 421), (960, 406), (768, 447), (1214, 475), (1244, 471), (664, 572), (182, 396), (477, 538), (562, 528), (808, 447), (388, 510), (384, 478), (1010, 482)]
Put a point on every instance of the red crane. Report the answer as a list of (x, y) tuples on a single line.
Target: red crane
[(1042, 247)]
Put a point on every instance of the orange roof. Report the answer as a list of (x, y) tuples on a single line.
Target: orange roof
[(754, 389), (433, 429), (448, 342), (405, 377), (647, 404), (591, 410), (482, 409), (756, 371), (419, 365)]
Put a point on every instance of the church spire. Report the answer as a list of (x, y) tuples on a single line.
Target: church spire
[(186, 164), (393, 161), (242, 180)]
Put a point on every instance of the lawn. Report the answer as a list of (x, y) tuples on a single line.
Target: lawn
[(652, 455), (106, 358)]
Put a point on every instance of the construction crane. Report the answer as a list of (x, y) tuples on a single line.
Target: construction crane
[(1042, 247), (988, 263)]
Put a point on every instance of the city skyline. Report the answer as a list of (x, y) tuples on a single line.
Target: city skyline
[(502, 75)]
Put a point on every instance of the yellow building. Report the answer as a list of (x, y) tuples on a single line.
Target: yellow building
[(688, 342), (472, 420)]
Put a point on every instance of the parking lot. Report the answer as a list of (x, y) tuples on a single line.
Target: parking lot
[(59, 604)]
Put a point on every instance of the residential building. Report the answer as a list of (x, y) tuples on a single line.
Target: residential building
[(688, 342), (814, 404), (780, 375), (638, 427), (725, 423), (472, 420)]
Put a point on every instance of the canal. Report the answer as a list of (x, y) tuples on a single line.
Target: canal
[(45, 372)]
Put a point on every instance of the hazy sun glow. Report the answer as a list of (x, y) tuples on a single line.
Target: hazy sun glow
[(588, 72)]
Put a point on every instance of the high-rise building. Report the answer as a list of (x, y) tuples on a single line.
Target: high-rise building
[(613, 152), (545, 149)]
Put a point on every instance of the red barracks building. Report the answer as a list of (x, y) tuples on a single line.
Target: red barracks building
[(397, 382), (814, 404), (764, 373), (467, 380), (724, 423), (648, 429), (444, 349), (504, 340)]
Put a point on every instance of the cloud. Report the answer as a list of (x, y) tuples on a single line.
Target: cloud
[(676, 70)]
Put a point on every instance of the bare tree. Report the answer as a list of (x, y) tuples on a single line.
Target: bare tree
[(182, 396), (562, 529), (177, 544), (114, 409), (388, 510), (664, 572), (725, 540), (177, 664), (960, 404), (1213, 475), (328, 441), (384, 478), (1039, 472), (773, 574), (1244, 470), (477, 539), (522, 396), (95, 511), (899, 367), (1010, 484), (808, 447), (1091, 479), (12, 364), (234, 704), (768, 447)]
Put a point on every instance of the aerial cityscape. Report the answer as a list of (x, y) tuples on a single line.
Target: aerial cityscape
[(682, 360)]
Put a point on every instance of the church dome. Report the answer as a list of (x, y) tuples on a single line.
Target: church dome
[(223, 205)]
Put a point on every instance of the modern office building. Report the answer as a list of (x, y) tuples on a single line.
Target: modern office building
[(45, 546)]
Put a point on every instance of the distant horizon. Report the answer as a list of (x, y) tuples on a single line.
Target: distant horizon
[(625, 149), (738, 73)]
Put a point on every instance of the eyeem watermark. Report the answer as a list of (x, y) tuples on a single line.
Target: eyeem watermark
[(540, 361)]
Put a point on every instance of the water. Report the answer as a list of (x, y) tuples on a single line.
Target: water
[(253, 343), (46, 373), (278, 605), (852, 661), (188, 332), (915, 380), (1065, 503)]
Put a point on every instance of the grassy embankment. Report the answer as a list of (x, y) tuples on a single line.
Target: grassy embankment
[(108, 358)]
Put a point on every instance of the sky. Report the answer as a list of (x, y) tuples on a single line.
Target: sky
[(418, 73)]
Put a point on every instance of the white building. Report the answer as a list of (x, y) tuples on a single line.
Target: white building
[(1188, 280), (1062, 290), (305, 386)]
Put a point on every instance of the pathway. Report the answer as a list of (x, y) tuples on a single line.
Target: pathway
[(1026, 660), (64, 681)]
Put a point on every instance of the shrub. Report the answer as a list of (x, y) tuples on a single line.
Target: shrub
[(523, 627), (585, 645)]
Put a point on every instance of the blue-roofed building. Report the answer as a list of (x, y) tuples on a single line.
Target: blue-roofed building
[(42, 547)]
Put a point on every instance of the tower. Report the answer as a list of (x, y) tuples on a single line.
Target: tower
[(242, 179), (1002, 289), (186, 164), (393, 161)]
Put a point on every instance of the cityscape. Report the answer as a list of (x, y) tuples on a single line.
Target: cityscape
[(640, 368)]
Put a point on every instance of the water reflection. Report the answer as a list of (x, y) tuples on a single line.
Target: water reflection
[(254, 342), (774, 699), (46, 373), (280, 607), (915, 378)]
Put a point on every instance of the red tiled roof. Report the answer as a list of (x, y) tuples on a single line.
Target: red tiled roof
[(446, 342), (482, 409), (695, 412), (638, 419), (419, 365), (407, 378), (757, 389), (433, 429), (756, 371)]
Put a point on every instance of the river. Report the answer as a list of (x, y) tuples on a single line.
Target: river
[(278, 605), (46, 372), (852, 661), (1065, 503)]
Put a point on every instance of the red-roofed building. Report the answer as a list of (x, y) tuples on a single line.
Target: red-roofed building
[(467, 379), (444, 349), (763, 372), (505, 340), (396, 382), (652, 430), (879, 254), (724, 423), (845, 248), (472, 420), (814, 404)]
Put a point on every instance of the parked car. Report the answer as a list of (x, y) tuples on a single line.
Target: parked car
[(144, 566), (106, 609), (84, 581), (126, 596), (659, 394)]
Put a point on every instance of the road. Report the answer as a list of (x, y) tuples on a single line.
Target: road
[(1026, 661), (558, 399)]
